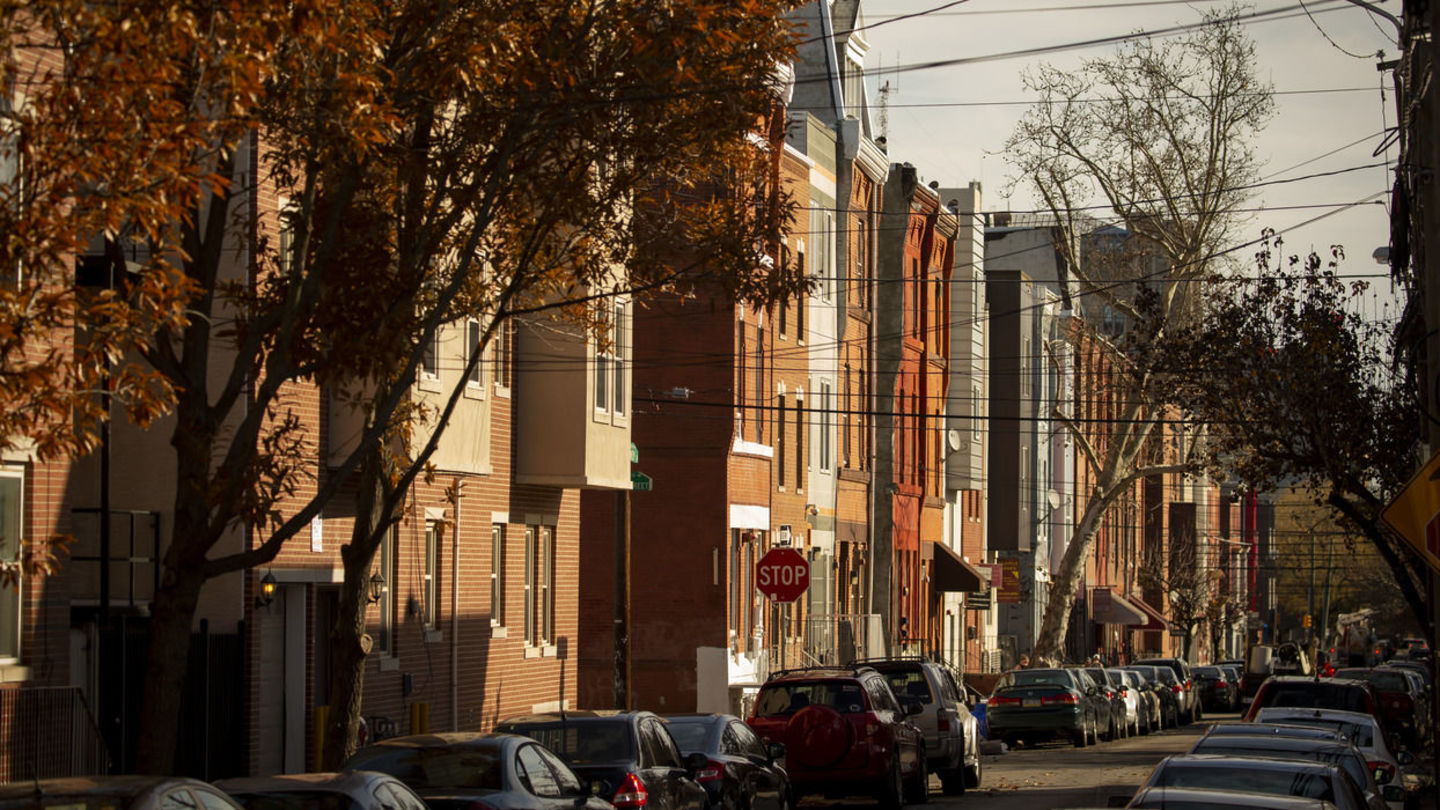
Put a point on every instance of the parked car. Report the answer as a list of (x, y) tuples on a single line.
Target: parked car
[(1404, 709), (1416, 649), (1341, 753), (1319, 693), (114, 793), (1189, 701), (1119, 720), (460, 771), (1420, 668), (351, 790), (952, 736), (631, 751), (1362, 729), (845, 734), (1147, 699), (1163, 683), (1313, 780), (1162, 798), (1041, 704), (1217, 692), (742, 773), (1130, 697)]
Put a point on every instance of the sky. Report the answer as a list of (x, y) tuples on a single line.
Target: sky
[(952, 122)]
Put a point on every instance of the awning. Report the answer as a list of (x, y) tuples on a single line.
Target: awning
[(952, 573), (1156, 621), (1112, 608)]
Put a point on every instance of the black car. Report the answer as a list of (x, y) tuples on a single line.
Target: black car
[(467, 770), (742, 773), (633, 751), (1190, 709), (1110, 686), (1160, 682), (1218, 692), (1040, 704)]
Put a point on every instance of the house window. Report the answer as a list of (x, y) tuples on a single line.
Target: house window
[(12, 527), (825, 406), (844, 420), (742, 595), (799, 443), (497, 575), (780, 441), (854, 86), (502, 353), (759, 383), (800, 302), (611, 370), (539, 585), (430, 360), (429, 582), (860, 264), (475, 373), (384, 637)]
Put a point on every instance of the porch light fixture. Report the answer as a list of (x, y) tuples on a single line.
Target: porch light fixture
[(267, 591), (377, 588)]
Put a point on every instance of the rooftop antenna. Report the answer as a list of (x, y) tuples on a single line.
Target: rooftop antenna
[(885, 90)]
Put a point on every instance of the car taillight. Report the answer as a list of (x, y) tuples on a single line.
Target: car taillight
[(1061, 698), (1124, 693), (1003, 701), (1221, 684), (1176, 688), (631, 793), (942, 722), (712, 772)]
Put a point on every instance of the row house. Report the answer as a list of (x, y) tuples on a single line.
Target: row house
[(912, 348)]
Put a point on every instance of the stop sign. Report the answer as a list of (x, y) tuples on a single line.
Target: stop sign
[(782, 574)]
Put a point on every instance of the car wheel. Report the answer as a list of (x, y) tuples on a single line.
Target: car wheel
[(973, 773), (892, 793), (1081, 738), (918, 791)]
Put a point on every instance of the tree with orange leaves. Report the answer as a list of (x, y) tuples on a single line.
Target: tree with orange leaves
[(439, 161)]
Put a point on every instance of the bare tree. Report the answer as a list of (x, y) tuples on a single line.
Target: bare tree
[(1188, 585), (1160, 134)]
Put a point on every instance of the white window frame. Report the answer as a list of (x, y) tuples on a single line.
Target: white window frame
[(474, 378), (385, 635), (430, 574), (11, 634), (610, 369), (497, 575), (824, 448), (539, 585), (430, 359)]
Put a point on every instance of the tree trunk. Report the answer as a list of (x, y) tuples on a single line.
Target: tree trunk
[(1051, 638), (172, 611), (348, 642)]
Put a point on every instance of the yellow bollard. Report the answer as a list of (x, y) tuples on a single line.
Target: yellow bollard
[(321, 720), (419, 718)]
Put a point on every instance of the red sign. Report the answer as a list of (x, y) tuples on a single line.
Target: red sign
[(782, 574)]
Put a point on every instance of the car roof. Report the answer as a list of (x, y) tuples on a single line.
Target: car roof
[(1223, 761), (818, 673), (1262, 729), (581, 716), (118, 785), (1317, 714), (1276, 743), (1159, 797), (344, 780), (699, 717)]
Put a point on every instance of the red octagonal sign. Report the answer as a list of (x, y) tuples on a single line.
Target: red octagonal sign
[(782, 574)]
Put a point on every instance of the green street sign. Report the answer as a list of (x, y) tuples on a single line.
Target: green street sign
[(634, 454), (640, 482)]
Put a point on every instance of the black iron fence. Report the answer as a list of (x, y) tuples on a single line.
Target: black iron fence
[(48, 731)]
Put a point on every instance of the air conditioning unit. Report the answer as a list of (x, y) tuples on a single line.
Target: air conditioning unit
[(782, 537)]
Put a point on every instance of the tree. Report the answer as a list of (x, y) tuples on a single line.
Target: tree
[(1166, 147), (1188, 585), (1252, 369), (472, 159)]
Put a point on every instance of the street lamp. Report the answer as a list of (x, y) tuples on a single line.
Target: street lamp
[(377, 588), (267, 591)]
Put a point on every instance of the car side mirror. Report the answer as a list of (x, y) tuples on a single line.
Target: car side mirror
[(775, 751)]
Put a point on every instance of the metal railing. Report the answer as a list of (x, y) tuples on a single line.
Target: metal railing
[(836, 639), (48, 731)]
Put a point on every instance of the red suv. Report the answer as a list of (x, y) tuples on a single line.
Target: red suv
[(845, 734), (1298, 691)]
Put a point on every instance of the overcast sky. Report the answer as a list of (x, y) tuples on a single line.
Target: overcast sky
[(954, 144)]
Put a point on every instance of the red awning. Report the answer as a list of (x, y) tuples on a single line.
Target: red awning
[(1109, 607), (1156, 622)]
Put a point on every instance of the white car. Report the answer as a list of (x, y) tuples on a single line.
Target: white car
[(952, 735), (1131, 696), (1359, 728)]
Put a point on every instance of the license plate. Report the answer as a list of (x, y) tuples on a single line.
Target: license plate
[(1030, 703)]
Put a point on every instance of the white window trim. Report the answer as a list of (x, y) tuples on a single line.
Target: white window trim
[(474, 389), (17, 473)]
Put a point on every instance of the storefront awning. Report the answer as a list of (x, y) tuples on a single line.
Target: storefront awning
[(1155, 620), (951, 572), (1112, 608)]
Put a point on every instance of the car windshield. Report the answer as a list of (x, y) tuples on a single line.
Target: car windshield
[(1213, 673), (587, 742), (1098, 675), (1315, 695), (1035, 677), (435, 767), (908, 683), (788, 698), (1247, 780), (1334, 756), (297, 800), (690, 735)]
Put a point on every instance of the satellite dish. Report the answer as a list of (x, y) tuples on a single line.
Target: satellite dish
[(952, 437)]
